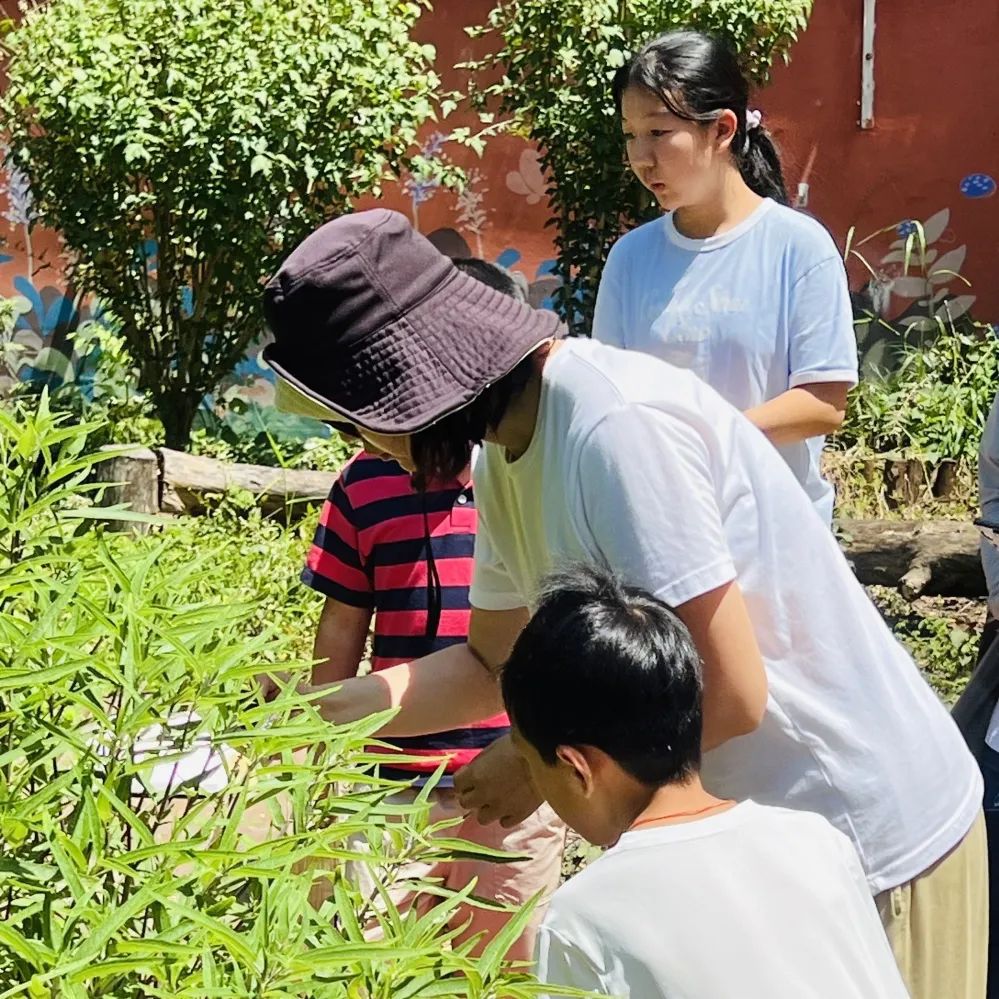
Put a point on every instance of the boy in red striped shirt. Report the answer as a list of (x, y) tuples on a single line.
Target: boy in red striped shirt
[(386, 550)]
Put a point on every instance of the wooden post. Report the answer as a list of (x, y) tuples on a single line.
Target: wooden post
[(135, 479)]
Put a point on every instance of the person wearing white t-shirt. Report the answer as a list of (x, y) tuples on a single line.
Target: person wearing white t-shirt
[(697, 896), (731, 283), (809, 701)]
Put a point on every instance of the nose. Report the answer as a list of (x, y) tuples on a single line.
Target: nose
[(640, 154)]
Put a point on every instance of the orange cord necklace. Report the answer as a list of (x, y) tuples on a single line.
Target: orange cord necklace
[(681, 815)]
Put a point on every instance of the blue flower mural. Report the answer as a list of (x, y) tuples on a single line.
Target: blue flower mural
[(20, 207), (422, 186), (508, 257), (546, 282), (51, 310), (978, 185), (46, 319)]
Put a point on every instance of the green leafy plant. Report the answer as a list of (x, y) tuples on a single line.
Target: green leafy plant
[(262, 435), (926, 402), (162, 827), (183, 149), (10, 350), (556, 60), (944, 646), (934, 405)]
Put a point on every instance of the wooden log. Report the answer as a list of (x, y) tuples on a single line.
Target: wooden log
[(135, 481), (921, 558), (933, 557), (189, 478)]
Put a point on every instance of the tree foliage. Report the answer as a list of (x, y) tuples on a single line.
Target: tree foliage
[(557, 59), (183, 148)]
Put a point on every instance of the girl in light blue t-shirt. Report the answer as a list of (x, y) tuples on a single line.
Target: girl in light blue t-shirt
[(730, 283)]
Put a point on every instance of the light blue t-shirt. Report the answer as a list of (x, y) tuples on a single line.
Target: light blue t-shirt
[(754, 311)]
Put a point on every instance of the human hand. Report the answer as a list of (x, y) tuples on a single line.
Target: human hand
[(272, 683), (496, 786)]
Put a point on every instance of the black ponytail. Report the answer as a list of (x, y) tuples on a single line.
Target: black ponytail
[(697, 76), (759, 164)]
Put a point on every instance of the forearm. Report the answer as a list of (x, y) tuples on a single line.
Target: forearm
[(445, 690), (799, 413)]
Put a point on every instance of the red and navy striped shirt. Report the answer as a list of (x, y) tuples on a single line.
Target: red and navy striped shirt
[(370, 550)]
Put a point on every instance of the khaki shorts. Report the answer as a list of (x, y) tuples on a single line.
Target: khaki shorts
[(938, 923)]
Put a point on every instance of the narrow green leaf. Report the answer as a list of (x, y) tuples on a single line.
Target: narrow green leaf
[(36, 954), (216, 930)]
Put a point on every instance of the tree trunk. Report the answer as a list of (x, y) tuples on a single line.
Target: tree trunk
[(176, 412)]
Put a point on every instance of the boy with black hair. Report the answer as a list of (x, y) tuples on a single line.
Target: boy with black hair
[(698, 897)]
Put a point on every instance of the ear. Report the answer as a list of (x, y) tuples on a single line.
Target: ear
[(726, 125), (577, 760)]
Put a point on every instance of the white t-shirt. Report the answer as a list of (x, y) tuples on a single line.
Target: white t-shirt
[(754, 903), (755, 311), (641, 466)]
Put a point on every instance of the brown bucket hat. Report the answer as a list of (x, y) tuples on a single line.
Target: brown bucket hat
[(374, 323)]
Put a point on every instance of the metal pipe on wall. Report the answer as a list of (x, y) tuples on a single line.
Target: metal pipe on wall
[(867, 67)]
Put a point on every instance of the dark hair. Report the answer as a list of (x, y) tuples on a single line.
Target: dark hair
[(607, 665), (442, 451), (697, 75), (498, 278)]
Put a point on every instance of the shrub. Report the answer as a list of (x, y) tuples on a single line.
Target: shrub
[(104, 392), (942, 638), (934, 405), (263, 435), (128, 867), (182, 149), (928, 379)]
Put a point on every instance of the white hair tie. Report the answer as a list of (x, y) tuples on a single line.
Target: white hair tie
[(754, 119)]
